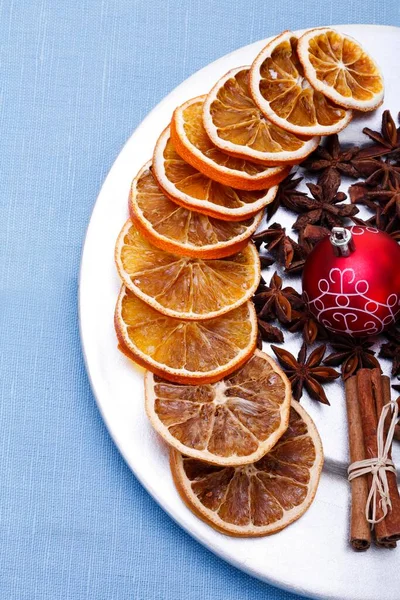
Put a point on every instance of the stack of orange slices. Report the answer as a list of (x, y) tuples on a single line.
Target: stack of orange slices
[(245, 457)]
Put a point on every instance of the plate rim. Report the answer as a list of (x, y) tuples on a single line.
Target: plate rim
[(270, 580)]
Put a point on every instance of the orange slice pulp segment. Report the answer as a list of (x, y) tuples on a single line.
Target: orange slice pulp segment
[(185, 351), (340, 68), (179, 230), (193, 145), (236, 125), (260, 498), (183, 287), (186, 186), (284, 95), (232, 422)]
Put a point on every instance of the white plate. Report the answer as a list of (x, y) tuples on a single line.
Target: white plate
[(312, 556)]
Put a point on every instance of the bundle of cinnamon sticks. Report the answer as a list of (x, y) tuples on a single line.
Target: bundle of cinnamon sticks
[(367, 393)]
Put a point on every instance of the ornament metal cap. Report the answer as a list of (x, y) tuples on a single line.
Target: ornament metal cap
[(342, 241)]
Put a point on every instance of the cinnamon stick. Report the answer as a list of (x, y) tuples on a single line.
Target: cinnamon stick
[(371, 401), (381, 385), (386, 400), (360, 531), (397, 428), (387, 545)]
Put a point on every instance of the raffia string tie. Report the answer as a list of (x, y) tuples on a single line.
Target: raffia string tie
[(378, 467)]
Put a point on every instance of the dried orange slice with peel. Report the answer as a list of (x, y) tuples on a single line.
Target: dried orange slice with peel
[(186, 186), (183, 287), (236, 125), (184, 351), (283, 94), (232, 422), (260, 498), (179, 230), (337, 66), (193, 144)]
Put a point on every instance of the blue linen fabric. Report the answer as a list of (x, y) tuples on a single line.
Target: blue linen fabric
[(77, 77)]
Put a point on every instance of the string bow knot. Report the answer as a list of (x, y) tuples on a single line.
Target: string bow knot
[(378, 467)]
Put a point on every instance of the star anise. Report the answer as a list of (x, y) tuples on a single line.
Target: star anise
[(331, 157), (304, 321), (352, 354), (297, 266), (322, 209), (360, 193), (281, 246), (287, 195), (391, 349), (309, 236), (378, 172), (387, 141), (388, 199), (275, 301), (266, 261), (315, 233), (269, 333), (306, 372), (390, 225)]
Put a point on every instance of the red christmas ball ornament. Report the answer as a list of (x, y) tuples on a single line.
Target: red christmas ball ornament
[(351, 281)]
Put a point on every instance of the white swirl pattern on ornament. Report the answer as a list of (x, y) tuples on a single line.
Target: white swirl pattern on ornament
[(358, 230), (338, 315)]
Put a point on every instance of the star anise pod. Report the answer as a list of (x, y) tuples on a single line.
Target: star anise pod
[(297, 266), (378, 172), (305, 322), (266, 261), (352, 354), (281, 246), (391, 349), (390, 225), (269, 333), (306, 372), (386, 223), (322, 209), (387, 141), (275, 301), (309, 236), (388, 199), (287, 195), (360, 193), (332, 157)]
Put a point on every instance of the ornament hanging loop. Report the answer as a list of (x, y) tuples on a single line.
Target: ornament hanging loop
[(342, 241)]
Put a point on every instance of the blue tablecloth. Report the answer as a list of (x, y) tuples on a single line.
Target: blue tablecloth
[(77, 76)]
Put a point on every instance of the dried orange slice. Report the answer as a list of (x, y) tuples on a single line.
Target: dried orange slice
[(338, 67), (185, 351), (183, 287), (235, 124), (260, 498), (186, 186), (179, 230), (193, 144), (232, 422), (284, 95)]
